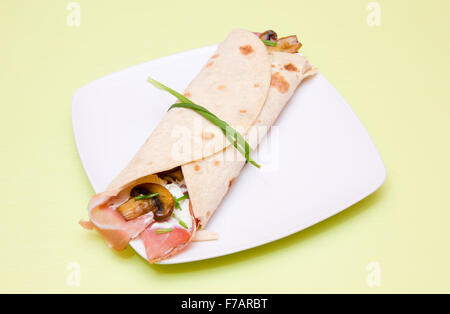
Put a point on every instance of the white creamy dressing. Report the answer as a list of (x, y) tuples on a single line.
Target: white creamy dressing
[(177, 191)]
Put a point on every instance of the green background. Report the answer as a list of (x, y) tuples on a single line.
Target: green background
[(395, 76)]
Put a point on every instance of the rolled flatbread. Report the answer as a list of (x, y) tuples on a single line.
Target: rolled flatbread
[(217, 172), (235, 78), (243, 84)]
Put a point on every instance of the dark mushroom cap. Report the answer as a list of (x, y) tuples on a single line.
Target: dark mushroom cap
[(269, 35), (163, 203)]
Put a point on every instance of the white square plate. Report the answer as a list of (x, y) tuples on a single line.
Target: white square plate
[(324, 159)]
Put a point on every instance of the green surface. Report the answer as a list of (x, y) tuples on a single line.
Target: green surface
[(395, 77)]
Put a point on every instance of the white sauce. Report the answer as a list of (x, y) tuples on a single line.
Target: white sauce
[(184, 214)]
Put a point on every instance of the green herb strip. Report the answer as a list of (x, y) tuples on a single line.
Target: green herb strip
[(231, 134), (178, 200), (145, 197), (181, 222), (182, 198), (269, 43), (161, 231)]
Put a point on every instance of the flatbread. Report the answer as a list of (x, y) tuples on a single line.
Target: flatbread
[(235, 78), (209, 179)]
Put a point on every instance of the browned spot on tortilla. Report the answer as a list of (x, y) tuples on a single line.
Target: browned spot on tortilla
[(149, 163), (256, 85), (259, 121), (215, 56), (207, 135), (290, 67), (197, 168), (246, 50), (221, 87), (187, 94), (231, 182), (279, 82), (243, 111), (216, 162), (209, 64), (273, 65), (208, 213)]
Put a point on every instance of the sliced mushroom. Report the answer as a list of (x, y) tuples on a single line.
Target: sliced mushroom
[(172, 175), (161, 205), (269, 35), (287, 44), (164, 201), (133, 209)]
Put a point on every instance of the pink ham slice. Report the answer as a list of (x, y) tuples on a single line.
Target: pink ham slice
[(116, 231), (160, 246)]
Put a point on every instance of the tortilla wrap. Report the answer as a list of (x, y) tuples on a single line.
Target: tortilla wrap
[(217, 172), (243, 84), (236, 77)]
